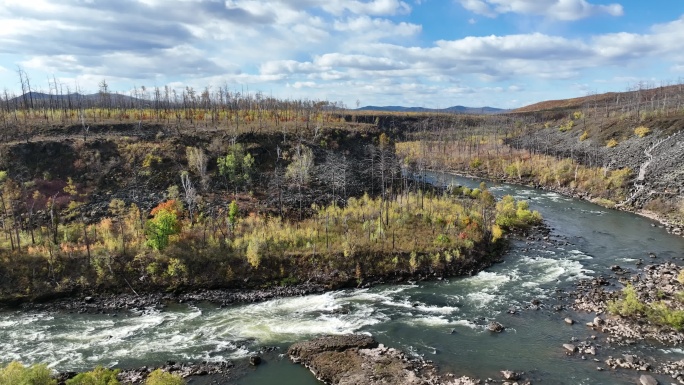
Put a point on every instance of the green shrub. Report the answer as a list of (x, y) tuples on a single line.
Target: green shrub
[(604, 202), (475, 163), (510, 214), (567, 126), (584, 136), (661, 314), (511, 170), (658, 313), (629, 305), (17, 374), (158, 377), (98, 376), (442, 239), (642, 131)]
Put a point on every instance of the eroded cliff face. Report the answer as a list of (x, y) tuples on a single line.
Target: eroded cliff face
[(138, 164), (656, 161)]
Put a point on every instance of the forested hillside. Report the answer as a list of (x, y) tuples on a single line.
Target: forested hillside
[(225, 191)]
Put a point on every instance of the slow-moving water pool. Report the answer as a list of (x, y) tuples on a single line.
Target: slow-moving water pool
[(443, 321)]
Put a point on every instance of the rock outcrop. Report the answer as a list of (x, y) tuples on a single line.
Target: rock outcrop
[(361, 360)]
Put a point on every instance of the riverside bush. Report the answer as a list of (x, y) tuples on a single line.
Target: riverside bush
[(17, 374), (97, 376), (159, 377), (629, 305), (512, 214), (504, 161), (660, 313)]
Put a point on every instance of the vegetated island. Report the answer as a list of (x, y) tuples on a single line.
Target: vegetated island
[(246, 219)]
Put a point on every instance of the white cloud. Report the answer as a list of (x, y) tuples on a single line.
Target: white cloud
[(317, 48), (374, 28), (299, 85), (478, 6), (363, 62), (566, 10), (373, 7), (286, 67)]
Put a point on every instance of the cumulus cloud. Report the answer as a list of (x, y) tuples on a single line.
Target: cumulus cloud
[(566, 10), (375, 28), (314, 48), (374, 7)]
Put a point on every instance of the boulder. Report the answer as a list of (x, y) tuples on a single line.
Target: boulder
[(570, 348), (360, 360), (510, 375), (495, 327), (254, 360), (647, 379), (301, 351)]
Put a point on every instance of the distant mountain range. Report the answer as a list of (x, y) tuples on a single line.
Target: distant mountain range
[(451, 110), (115, 98), (40, 96)]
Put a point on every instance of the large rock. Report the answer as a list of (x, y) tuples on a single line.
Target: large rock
[(360, 360), (495, 327), (510, 375), (305, 351), (646, 379)]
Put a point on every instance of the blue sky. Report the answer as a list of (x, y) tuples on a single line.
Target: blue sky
[(431, 53)]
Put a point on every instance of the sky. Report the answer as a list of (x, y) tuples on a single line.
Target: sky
[(425, 53)]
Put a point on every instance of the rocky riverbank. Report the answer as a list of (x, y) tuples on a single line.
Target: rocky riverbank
[(226, 370), (653, 284), (117, 303), (672, 227), (361, 360), (199, 373)]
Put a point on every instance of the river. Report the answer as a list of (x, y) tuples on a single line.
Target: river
[(443, 321)]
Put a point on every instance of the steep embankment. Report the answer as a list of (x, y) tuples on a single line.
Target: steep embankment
[(656, 159)]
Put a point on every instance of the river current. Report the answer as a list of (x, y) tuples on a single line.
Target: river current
[(443, 321)]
